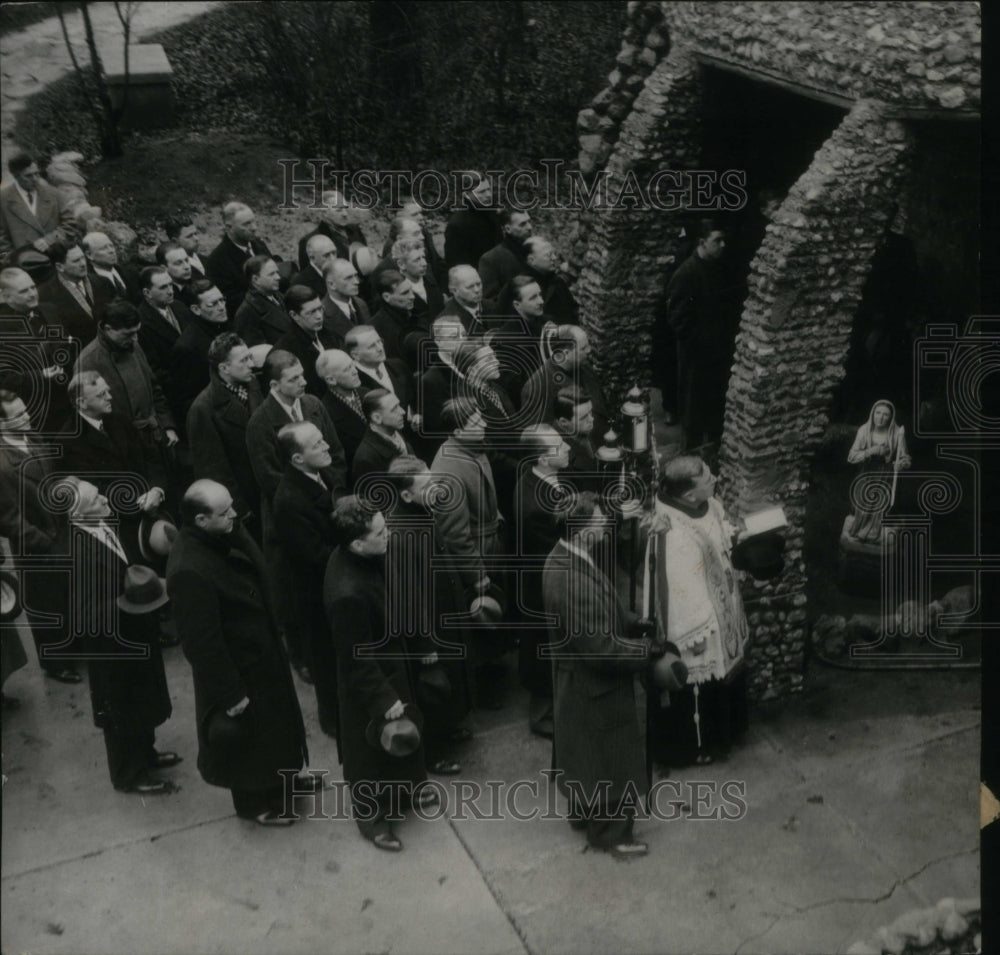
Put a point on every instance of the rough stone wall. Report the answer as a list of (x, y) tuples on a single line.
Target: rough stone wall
[(805, 286), (920, 56), (644, 43), (628, 250)]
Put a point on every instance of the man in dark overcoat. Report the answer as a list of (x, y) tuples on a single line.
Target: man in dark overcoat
[(599, 704), (303, 504), (372, 681), (217, 426), (128, 685), (249, 722), (538, 499), (426, 593)]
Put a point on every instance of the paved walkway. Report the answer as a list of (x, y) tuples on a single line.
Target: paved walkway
[(861, 804), (36, 56)]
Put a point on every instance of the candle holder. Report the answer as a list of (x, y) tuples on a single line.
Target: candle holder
[(636, 417)]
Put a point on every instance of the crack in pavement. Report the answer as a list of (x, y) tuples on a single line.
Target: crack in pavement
[(521, 934), (156, 836), (796, 910)]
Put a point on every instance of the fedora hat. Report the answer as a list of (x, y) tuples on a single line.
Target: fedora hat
[(761, 556), (399, 737), (669, 671), (433, 686), (10, 602), (144, 591), (157, 532)]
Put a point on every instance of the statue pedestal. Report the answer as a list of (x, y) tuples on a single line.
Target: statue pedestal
[(859, 564)]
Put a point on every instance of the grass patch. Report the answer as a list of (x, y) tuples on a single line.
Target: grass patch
[(17, 16)]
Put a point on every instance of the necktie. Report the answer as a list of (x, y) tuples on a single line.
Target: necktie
[(117, 279), (84, 288), (380, 373), (493, 399), (171, 321), (317, 344), (296, 414), (31, 198), (353, 313)]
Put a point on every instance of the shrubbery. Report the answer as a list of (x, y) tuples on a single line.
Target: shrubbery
[(496, 82)]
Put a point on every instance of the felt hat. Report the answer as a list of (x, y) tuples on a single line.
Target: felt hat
[(433, 688), (144, 591), (157, 532), (399, 737), (669, 671)]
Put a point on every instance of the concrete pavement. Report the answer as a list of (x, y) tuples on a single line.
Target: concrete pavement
[(36, 56), (861, 804)]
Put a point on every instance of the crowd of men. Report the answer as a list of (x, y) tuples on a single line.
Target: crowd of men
[(380, 474)]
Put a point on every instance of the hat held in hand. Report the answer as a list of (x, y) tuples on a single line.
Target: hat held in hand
[(144, 591), (669, 671), (399, 737)]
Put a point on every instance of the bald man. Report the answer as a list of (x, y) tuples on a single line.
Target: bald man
[(102, 260), (466, 303), (320, 251), (249, 722), (225, 263)]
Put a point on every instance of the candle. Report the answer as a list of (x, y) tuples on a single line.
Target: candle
[(640, 434)]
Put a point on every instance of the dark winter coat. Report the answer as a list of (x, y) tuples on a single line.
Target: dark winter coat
[(367, 685), (599, 704), (230, 638)]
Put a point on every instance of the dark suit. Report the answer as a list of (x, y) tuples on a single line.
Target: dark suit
[(500, 264), (300, 344), (438, 384), (189, 368), (28, 350), (20, 227), (559, 302), (261, 321), (536, 505), (158, 337), (425, 310), (395, 326), (220, 599), (539, 393), (398, 374), (35, 531), (268, 463), (132, 291), (350, 425), (374, 455), (354, 598), (452, 309), (266, 456), (104, 455), (336, 321), (469, 235), (78, 316), (599, 736), (302, 509), (225, 269), (216, 433), (129, 696), (310, 278)]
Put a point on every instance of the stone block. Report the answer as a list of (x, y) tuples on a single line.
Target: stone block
[(150, 99)]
